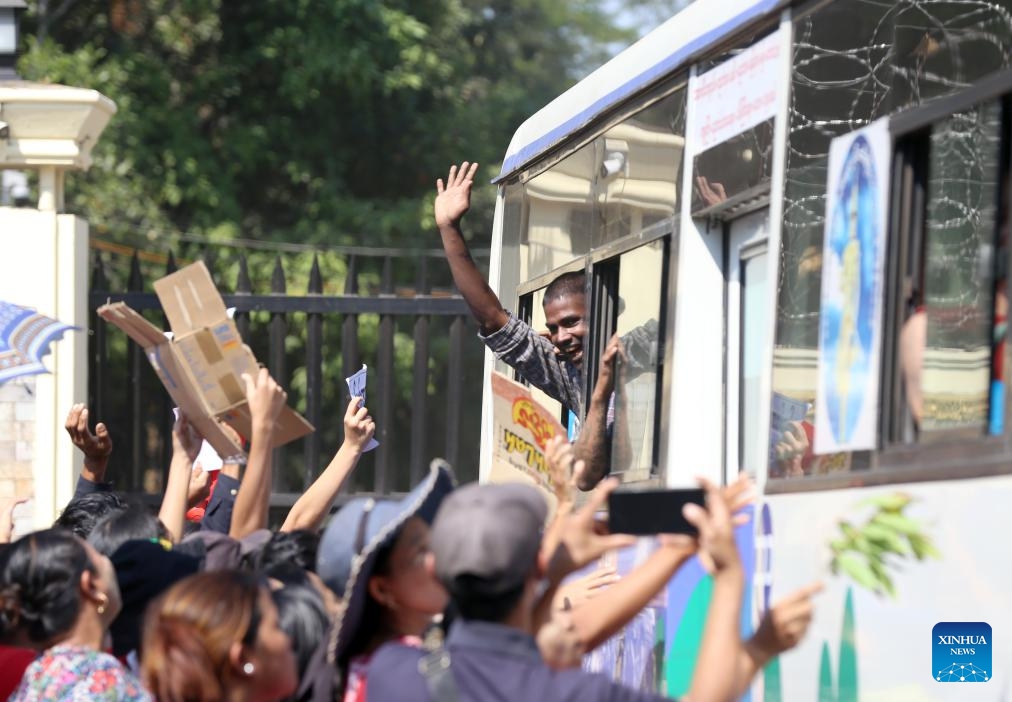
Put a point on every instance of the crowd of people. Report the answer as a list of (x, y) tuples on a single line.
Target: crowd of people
[(450, 593)]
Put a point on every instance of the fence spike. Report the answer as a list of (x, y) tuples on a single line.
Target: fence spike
[(315, 279), (387, 285), (209, 257), (136, 281), (98, 279), (351, 282), (422, 279), (170, 265), (278, 284), (242, 281)]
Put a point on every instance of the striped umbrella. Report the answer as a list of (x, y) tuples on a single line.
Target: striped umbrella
[(25, 336)]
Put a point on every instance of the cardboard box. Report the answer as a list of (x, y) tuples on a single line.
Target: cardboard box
[(202, 365)]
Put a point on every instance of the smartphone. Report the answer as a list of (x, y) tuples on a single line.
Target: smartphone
[(649, 512)]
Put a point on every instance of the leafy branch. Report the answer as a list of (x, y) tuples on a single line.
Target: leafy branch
[(870, 552)]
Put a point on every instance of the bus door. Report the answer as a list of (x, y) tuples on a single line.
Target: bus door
[(747, 335)]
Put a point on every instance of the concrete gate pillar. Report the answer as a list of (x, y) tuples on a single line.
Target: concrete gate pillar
[(49, 129)]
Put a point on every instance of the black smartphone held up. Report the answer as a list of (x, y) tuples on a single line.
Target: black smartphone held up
[(649, 512)]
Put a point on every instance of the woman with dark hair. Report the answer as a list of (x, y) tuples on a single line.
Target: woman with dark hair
[(373, 555), (214, 637), (303, 616), (58, 595)]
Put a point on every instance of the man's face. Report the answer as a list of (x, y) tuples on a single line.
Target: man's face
[(567, 326)]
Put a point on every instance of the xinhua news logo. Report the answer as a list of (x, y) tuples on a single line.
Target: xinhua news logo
[(961, 652)]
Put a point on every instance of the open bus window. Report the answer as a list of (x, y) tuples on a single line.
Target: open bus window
[(951, 340), (639, 305)]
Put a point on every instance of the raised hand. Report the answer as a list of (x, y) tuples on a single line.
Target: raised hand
[(199, 487), (605, 385), (563, 469), (453, 198), (739, 495), (359, 426), (581, 589), (784, 624), (95, 446), (579, 540), (7, 505), (265, 397), (185, 438), (717, 549)]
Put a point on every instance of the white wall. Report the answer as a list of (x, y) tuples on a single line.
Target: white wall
[(45, 267)]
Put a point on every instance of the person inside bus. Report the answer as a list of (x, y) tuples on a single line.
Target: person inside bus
[(552, 363)]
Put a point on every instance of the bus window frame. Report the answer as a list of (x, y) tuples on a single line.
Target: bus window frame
[(956, 454), (604, 279), (602, 285)]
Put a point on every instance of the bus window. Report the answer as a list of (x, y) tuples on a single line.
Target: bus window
[(559, 214), (641, 290), (949, 356), (734, 170), (893, 57), (639, 181)]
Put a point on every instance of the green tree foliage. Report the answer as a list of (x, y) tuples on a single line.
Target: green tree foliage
[(303, 120)]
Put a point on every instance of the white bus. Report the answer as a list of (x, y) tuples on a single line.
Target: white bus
[(689, 177)]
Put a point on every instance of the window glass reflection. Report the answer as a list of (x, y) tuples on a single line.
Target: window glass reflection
[(946, 341), (640, 289), (639, 180), (560, 214), (734, 168), (891, 56)]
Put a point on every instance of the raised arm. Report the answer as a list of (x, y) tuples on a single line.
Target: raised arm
[(615, 605), (185, 447), (265, 398), (593, 445), (310, 509), (453, 199), (781, 629), (715, 676), (96, 448)]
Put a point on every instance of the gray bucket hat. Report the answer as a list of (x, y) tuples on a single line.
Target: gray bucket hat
[(350, 544)]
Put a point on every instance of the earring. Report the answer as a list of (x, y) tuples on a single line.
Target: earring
[(248, 668), (104, 602)]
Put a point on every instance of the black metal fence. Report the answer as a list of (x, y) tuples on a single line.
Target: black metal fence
[(382, 307)]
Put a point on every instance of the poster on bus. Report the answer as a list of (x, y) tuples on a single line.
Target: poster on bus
[(521, 430), (853, 272)]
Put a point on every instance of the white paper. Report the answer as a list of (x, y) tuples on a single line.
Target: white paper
[(356, 386), (853, 271)]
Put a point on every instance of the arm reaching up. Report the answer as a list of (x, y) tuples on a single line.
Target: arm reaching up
[(185, 447), (715, 676), (781, 629), (96, 446), (453, 199), (310, 509), (266, 399), (593, 445)]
